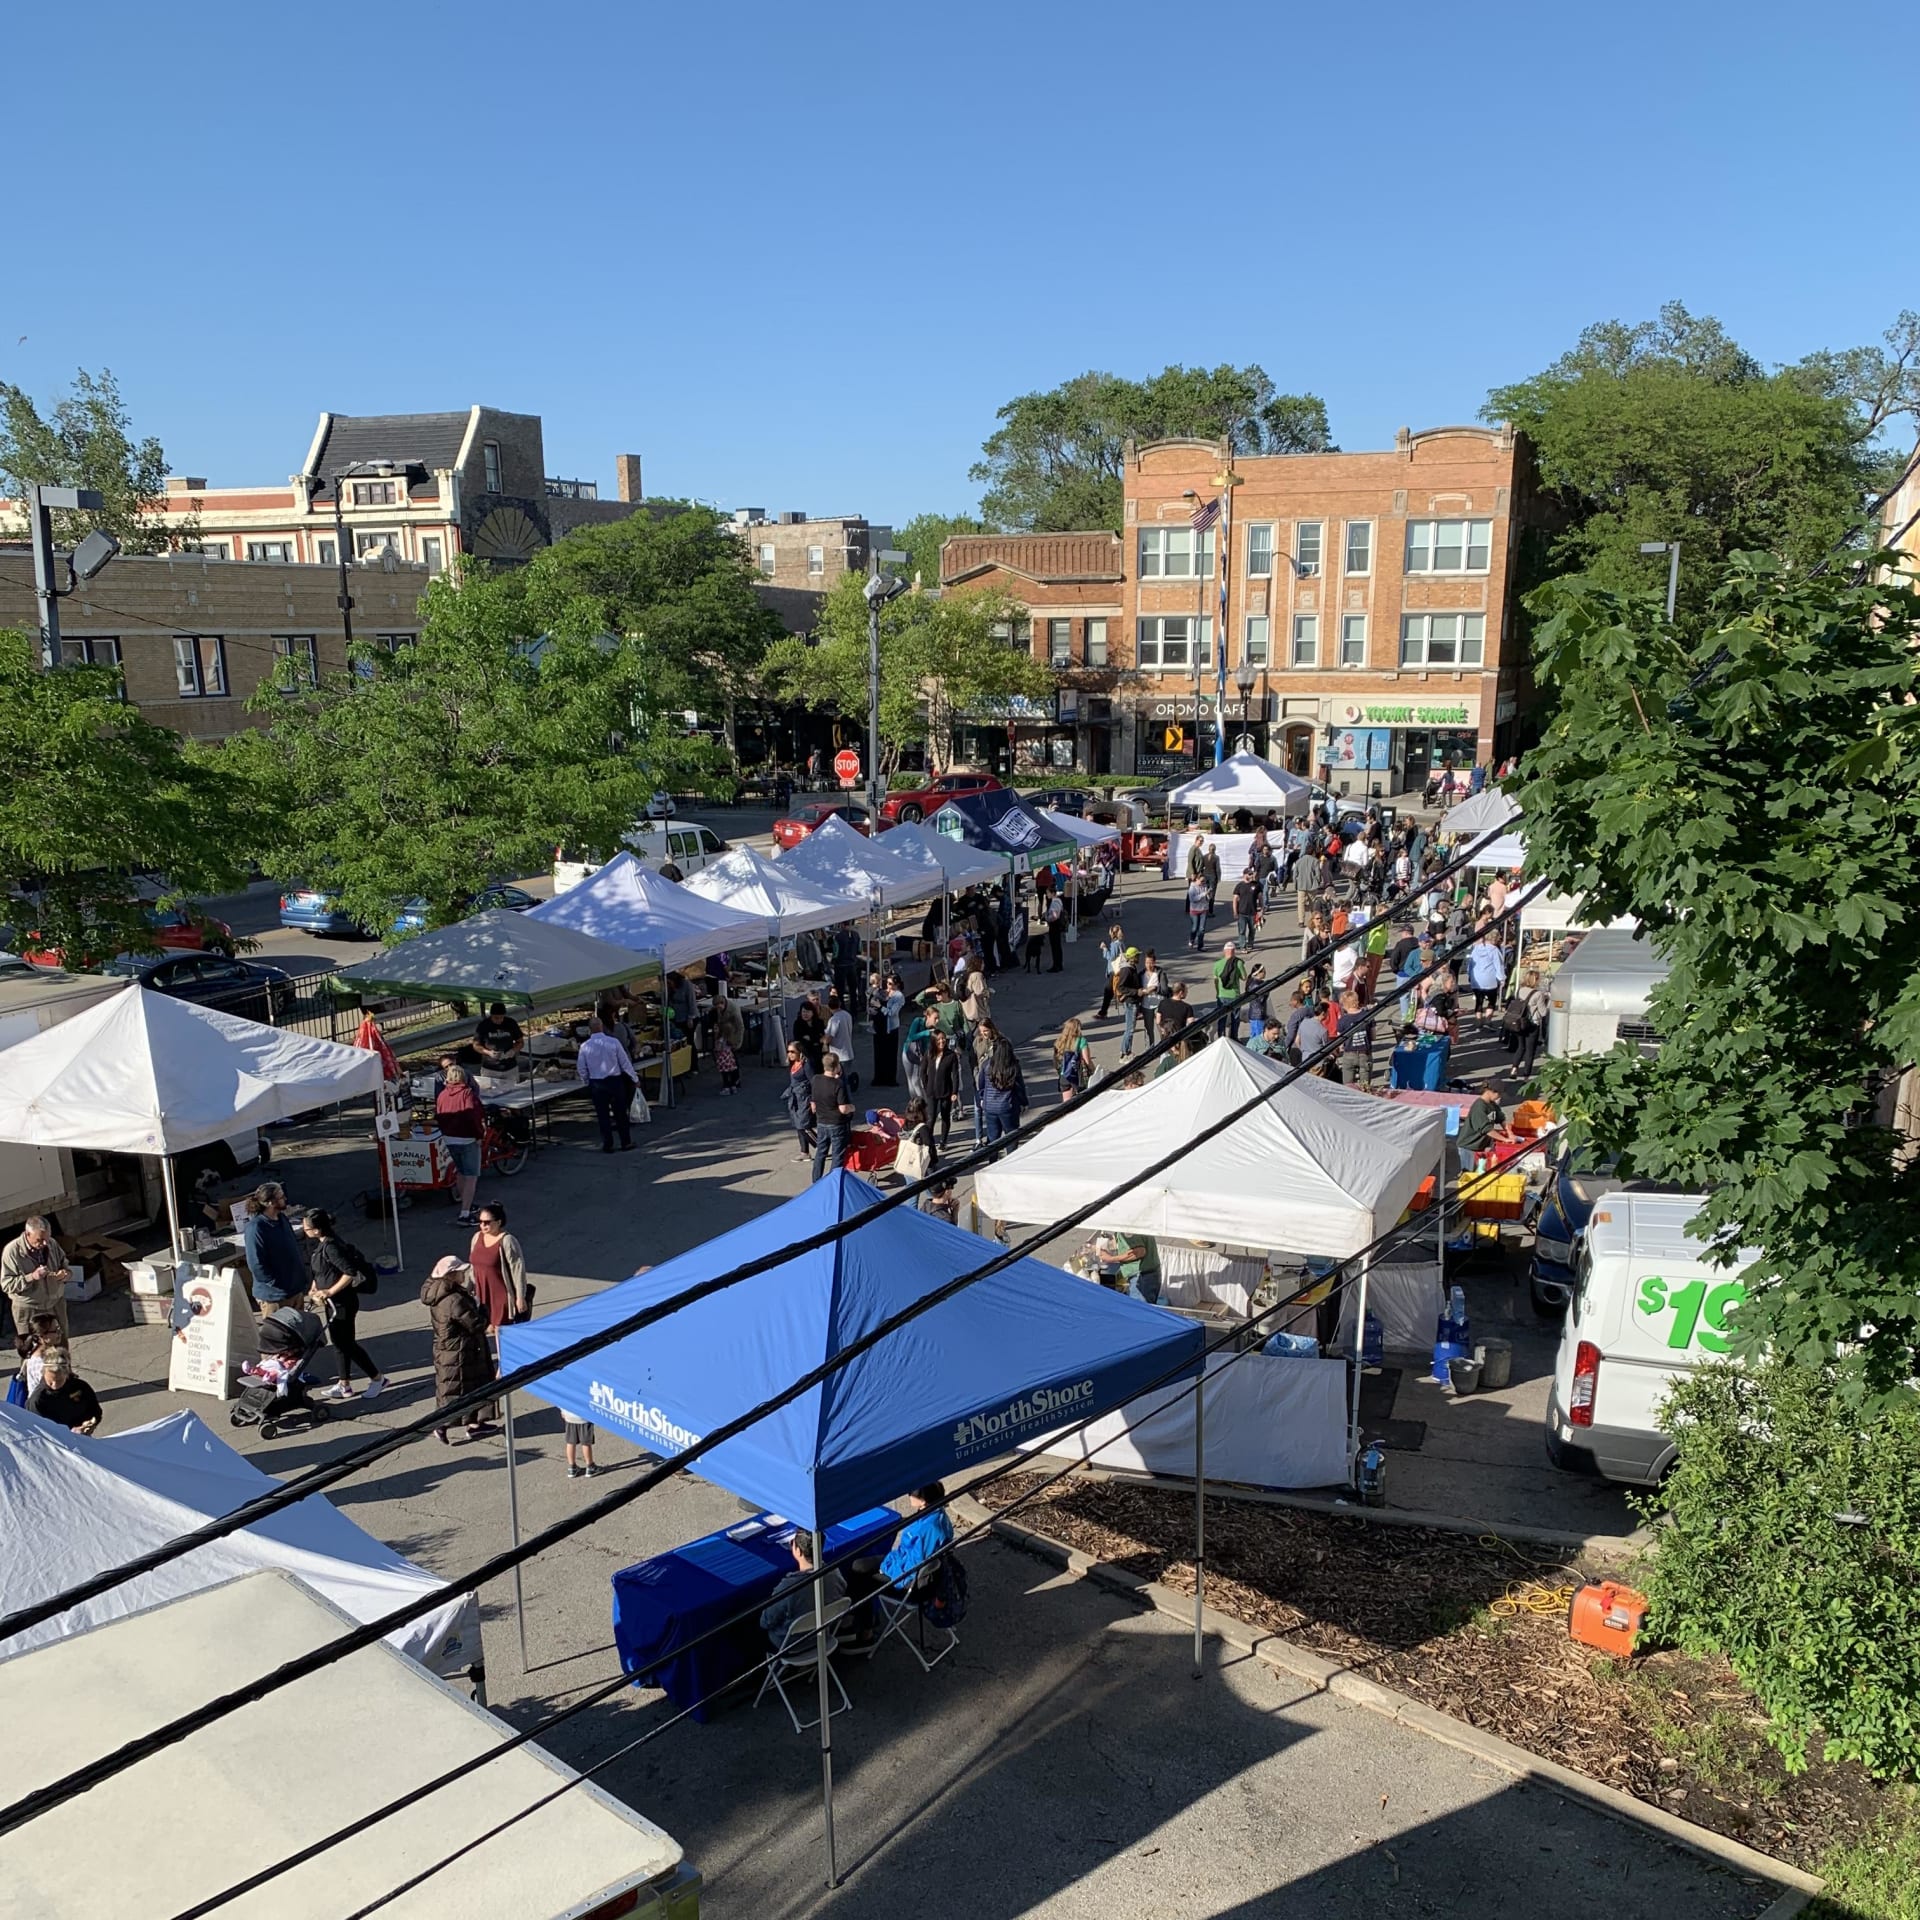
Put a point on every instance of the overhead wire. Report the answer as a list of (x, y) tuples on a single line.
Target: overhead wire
[(329, 1473), (130, 1753)]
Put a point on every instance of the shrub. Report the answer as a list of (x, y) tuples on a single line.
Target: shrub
[(1790, 1543)]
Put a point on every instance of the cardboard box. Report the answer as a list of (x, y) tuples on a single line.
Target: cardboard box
[(144, 1277), (147, 1310), (84, 1284)]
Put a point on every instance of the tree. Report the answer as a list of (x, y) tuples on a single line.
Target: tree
[(98, 800), (87, 441), (1054, 463), (1748, 786), (939, 657), (1668, 430), (924, 535), (517, 722)]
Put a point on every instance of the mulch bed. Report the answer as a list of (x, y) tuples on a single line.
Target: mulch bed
[(1430, 1614)]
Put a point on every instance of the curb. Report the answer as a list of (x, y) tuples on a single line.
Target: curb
[(1330, 1676)]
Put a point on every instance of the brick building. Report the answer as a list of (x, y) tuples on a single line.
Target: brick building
[(195, 637), (793, 550), (1369, 608)]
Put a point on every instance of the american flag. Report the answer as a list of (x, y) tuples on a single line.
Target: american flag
[(1204, 517)]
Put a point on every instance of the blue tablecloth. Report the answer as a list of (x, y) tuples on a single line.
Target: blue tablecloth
[(1424, 1067), (663, 1604)]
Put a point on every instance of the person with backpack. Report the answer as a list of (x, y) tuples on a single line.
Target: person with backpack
[(1071, 1061), (341, 1274)]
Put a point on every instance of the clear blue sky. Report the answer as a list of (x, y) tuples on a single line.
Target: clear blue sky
[(796, 257)]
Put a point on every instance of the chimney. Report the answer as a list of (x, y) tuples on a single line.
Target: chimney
[(186, 483), (626, 473)]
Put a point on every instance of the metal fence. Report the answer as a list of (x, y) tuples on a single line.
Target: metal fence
[(316, 1007)]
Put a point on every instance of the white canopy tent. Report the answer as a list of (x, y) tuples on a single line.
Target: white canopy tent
[(1486, 812), (1317, 1169), (782, 900), (1244, 780), (72, 1506), (835, 856), (143, 1073), (1508, 852), (1083, 833), (498, 955), (963, 866), (633, 906)]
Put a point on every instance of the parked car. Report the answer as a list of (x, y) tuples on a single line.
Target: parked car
[(661, 807), (175, 929), (1074, 800), (905, 808), (816, 813), (688, 845), (248, 988), (1579, 1181), (312, 910), (499, 897)]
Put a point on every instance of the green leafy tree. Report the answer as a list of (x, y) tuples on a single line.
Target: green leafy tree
[(939, 657), (1749, 787), (517, 722), (1669, 430), (1054, 463), (925, 534), (99, 804), (87, 440)]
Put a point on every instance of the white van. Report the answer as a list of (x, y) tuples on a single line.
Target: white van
[(1602, 993), (1646, 1309), (689, 844)]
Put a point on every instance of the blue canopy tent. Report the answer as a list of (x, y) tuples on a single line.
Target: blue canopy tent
[(1014, 1355)]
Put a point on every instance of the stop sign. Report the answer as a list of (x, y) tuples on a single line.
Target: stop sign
[(846, 767)]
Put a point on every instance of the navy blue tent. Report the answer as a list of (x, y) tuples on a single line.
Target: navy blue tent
[(999, 821), (1008, 1358)]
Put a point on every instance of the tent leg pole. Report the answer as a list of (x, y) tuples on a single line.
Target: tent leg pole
[(1199, 1520), (826, 1704), (173, 1205), (393, 1198), (1359, 1370), (513, 1523)]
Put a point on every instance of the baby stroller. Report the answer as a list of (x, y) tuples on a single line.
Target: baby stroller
[(275, 1384)]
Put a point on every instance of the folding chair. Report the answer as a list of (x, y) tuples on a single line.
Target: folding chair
[(796, 1659), (898, 1610)]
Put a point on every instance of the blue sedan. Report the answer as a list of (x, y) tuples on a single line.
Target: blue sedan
[(313, 911)]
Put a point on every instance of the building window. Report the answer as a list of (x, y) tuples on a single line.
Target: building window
[(1253, 650), (1259, 549), (1167, 553), (200, 665), (1306, 548), (1014, 634), (1353, 639), (296, 662), (1059, 643), (816, 559), (280, 551), (1166, 642), (210, 549), (374, 493), (325, 553), (1306, 640), (393, 642), (1359, 546), (490, 454), (372, 543), (94, 651), (433, 552), (1442, 639), (1096, 643), (766, 560), (1449, 546)]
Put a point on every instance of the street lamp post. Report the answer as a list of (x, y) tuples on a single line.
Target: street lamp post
[(880, 588), (83, 563), (1243, 678), (1671, 548), (383, 469)]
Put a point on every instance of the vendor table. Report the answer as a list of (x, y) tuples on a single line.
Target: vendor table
[(662, 1605), (1191, 1276), (1424, 1066)]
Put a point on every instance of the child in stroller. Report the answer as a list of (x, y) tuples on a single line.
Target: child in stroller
[(276, 1383)]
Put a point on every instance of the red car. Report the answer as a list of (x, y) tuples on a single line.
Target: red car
[(802, 821), (175, 930), (909, 807)]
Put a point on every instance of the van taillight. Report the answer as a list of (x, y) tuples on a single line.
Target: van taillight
[(1586, 1377), (283, 903)]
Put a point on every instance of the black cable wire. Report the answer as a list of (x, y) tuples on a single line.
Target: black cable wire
[(94, 1773), (329, 1473)]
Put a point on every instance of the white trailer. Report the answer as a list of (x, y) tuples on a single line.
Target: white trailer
[(1602, 994)]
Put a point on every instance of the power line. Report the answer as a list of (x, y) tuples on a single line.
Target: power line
[(289, 1493), (96, 1772)]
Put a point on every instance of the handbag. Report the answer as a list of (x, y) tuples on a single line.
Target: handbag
[(912, 1161), (524, 1311)]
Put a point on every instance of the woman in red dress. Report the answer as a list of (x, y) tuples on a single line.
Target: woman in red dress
[(499, 1271)]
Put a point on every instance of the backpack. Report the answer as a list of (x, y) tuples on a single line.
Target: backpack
[(366, 1276), (944, 1604)]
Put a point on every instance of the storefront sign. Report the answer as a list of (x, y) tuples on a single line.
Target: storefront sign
[(1362, 749), (1455, 713), (1158, 713)]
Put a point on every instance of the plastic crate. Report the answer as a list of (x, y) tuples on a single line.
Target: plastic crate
[(1493, 1196)]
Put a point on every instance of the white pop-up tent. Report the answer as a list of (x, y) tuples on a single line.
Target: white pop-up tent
[(1486, 812), (1083, 833), (630, 905), (498, 955), (73, 1505), (837, 857), (143, 1073), (962, 865), (1244, 780), (782, 901)]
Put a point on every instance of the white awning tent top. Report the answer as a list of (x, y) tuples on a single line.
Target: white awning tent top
[(836, 856), (962, 865), (1317, 1169), (628, 903), (1487, 811), (1508, 852), (1083, 833), (143, 1073), (499, 955), (783, 901), (1245, 780)]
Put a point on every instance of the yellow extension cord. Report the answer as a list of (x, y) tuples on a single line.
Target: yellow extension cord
[(1527, 1596)]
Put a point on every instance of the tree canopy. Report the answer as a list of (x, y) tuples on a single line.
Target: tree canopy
[(1748, 786), (1669, 430), (1054, 463), (923, 536), (939, 656), (87, 440)]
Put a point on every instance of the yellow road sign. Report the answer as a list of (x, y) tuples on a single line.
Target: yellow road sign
[(1176, 739)]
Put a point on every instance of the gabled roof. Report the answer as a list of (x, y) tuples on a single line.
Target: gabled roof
[(1049, 558), (429, 441)]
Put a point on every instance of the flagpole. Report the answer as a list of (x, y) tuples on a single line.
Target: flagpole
[(1224, 561)]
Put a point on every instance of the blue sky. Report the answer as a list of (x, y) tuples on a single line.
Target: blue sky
[(796, 258)]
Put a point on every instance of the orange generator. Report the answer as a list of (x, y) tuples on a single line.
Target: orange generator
[(1606, 1615)]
